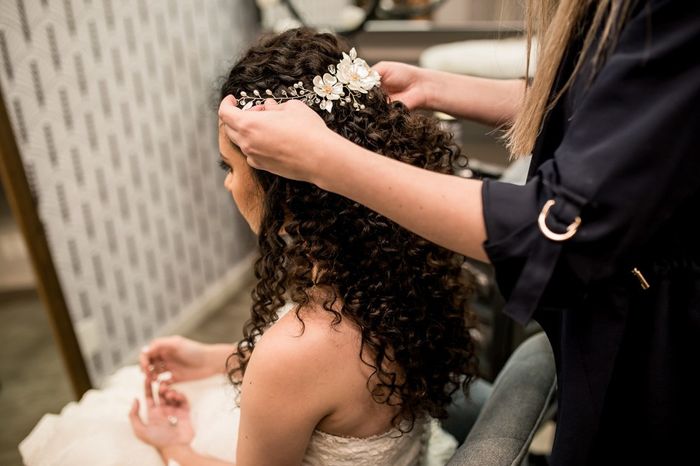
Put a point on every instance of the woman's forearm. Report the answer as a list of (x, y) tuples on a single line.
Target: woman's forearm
[(493, 102), (444, 209), (217, 356)]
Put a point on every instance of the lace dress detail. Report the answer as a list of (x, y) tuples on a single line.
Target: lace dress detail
[(426, 445)]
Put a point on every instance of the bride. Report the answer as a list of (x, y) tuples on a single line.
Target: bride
[(359, 333)]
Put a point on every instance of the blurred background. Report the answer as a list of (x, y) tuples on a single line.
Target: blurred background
[(114, 226)]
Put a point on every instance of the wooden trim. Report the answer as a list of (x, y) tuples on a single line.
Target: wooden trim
[(26, 214)]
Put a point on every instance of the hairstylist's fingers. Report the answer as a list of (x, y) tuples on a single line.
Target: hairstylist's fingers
[(229, 100), (388, 71), (269, 104), (229, 111), (233, 135), (381, 67), (253, 163)]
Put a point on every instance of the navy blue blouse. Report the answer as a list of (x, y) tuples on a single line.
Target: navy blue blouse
[(622, 153)]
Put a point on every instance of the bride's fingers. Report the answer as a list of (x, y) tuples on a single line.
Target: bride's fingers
[(162, 396), (168, 393), (175, 400), (144, 361), (148, 391), (159, 363), (180, 399), (152, 361), (164, 389), (136, 423)]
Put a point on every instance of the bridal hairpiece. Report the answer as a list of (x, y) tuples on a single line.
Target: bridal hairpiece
[(344, 83)]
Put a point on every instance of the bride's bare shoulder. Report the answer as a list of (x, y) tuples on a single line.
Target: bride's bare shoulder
[(312, 331), (305, 356)]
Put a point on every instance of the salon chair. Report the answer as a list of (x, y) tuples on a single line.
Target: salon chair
[(521, 400)]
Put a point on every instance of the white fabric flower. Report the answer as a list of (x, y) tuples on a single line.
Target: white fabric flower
[(356, 73), (326, 105), (328, 87)]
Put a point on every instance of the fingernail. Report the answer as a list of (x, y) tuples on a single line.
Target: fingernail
[(145, 348), (165, 376)]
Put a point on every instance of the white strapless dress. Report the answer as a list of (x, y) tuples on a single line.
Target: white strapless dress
[(95, 431)]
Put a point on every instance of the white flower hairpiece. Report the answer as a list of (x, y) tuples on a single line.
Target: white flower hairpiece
[(344, 83)]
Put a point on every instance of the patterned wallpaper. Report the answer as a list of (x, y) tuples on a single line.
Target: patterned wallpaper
[(111, 103)]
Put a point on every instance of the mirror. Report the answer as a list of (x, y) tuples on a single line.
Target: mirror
[(406, 9), (344, 17)]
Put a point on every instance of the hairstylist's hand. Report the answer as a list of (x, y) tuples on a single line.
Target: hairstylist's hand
[(404, 83), (186, 359), (287, 139)]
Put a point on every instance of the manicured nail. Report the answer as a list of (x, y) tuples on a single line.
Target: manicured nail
[(164, 376)]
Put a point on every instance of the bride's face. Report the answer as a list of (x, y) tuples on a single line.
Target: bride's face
[(239, 181)]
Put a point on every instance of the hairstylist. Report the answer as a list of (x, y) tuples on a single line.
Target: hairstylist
[(600, 246)]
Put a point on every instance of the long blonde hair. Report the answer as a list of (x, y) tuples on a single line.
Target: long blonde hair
[(555, 22)]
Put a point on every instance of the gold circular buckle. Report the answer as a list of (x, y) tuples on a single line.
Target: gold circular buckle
[(542, 222)]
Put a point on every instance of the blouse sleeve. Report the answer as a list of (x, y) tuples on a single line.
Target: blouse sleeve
[(628, 159)]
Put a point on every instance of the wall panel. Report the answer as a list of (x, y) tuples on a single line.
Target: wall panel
[(111, 103)]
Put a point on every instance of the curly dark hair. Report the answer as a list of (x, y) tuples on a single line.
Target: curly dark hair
[(408, 297)]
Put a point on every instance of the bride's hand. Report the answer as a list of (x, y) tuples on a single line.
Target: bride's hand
[(288, 139), (185, 359), (404, 83), (168, 422)]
